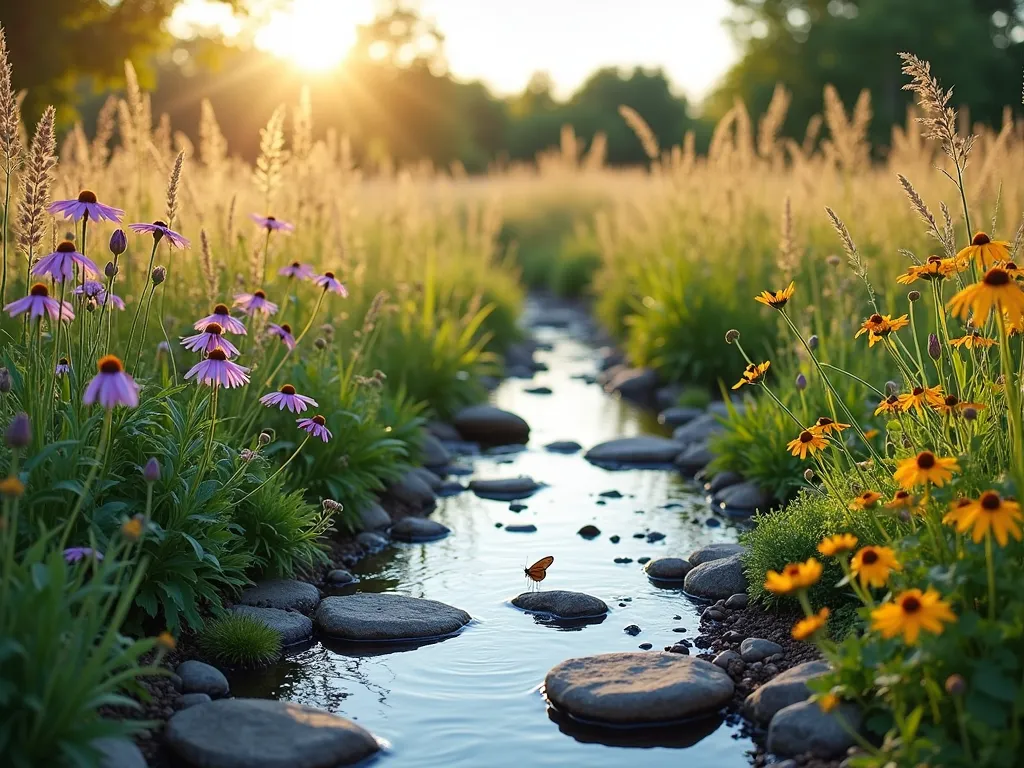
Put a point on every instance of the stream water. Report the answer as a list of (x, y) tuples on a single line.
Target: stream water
[(475, 699)]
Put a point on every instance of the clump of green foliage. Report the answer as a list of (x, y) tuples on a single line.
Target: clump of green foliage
[(240, 640)]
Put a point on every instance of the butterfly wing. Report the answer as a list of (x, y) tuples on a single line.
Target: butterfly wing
[(539, 570)]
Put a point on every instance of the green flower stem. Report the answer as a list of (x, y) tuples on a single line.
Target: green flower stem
[(138, 309), (990, 570), (3, 235), (209, 439), (9, 531), (961, 720), (101, 450), (298, 339), (917, 342), (1013, 404), (874, 389), (277, 472), (145, 327), (85, 315)]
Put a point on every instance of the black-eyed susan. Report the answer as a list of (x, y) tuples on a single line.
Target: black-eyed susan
[(985, 251), (827, 702), (1013, 270), (902, 500), (958, 512), (925, 468), (920, 398), (776, 299), (824, 425), (132, 528), (910, 612), (12, 487), (810, 626), (996, 290), (992, 514), (891, 404), (936, 268), (951, 404), (878, 326), (166, 641), (793, 577), (753, 374), (972, 340), (872, 565), (866, 500), (807, 442), (839, 544)]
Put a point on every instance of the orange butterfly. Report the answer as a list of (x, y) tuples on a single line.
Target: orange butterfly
[(539, 570)]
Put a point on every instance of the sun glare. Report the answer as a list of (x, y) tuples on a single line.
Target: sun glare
[(314, 34)]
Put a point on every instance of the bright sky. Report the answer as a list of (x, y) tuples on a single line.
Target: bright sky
[(503, 42)]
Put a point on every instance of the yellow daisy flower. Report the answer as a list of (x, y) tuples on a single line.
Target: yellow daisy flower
[(866, 500), (132, 529), (12, 487), (824, 426), (872, 565), (993, 514), (807, 442), (776, 299), (810, 626), (871, 434), (753, 374), (793, 577), (827, 702), (879, 326), (1013, 270), (838, 544), (959, 510), (910, 612), (926, 467), (166, 641), (952, 405), (972, 340), (985, 251), (902, 500), (891, 404), (936, 268), (997, 291), (919, 397)]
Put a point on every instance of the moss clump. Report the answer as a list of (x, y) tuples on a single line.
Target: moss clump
[(241, 641)]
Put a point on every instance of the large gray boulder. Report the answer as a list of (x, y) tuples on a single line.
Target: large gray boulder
[(804, 728), (260, 733), (715, 552), (788, 688), (284, 594), (561, 604), (292, 626), (645, 449), (491, 426), (376, 616), (637, 688), (718, 579)]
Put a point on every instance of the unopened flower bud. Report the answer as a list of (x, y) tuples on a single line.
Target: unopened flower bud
[(5, 380), (970, 414), (801, 382), (246, 455), (956, 685), (833, 260), (330, 505), (731, 335), (327, 330), (808, 474), (891, 387), (320, 344), (151, 472), (934, 350), (813, 343), (159, 275), (914, 296), (19, 432), (264, 438), (162, 348), (90, 304), (118, 242), (110, 270)]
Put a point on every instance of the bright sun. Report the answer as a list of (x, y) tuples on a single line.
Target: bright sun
[(314, 34)]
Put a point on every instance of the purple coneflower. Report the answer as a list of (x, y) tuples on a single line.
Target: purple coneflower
[(60, 265), (115, 301), (74, 554), (217, 370), (315, 426), (287, 398), (112, 386), (158, 229), (38, 303), (222, 317), (209, 340), (295, 269), (94, 289), (85, 206), (63, 366), (283, 332), (254, 302), (271, 224), (328, 282)]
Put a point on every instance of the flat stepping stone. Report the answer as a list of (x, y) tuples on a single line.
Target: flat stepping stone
[(638, 688), (714, 552), (119, 753), (563, 446), (667, 569), (723, 480), (491, 426), (260, 733), (505, 489), (561, 604), (521, 528), (804, 728), (718, 579), (285, 594), (197, 677), (778, 693), (418, 529), (292, 626), (645, 449), (387, 616)]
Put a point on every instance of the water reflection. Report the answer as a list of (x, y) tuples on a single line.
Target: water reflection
[(670, 735)]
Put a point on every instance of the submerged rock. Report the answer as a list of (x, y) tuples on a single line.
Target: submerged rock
[(561, 604), (698, 430), (386, 616), (521, 528), (372, 542), (645, 449), (284, 594), (694, 458), (292, 626), (637, 688), (589, 532), (418, 529), (717, 579), (492, 426), (637, 384), (260, 733)]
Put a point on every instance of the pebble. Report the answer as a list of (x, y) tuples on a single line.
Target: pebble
[(197, 677), (737, 601), (525, 528), (505, 488), (372, 542), (638, 535), (339, 577), (623, 560), (563, 446), (713, 614), (645, 646), (756, 649), (632, 629), (589, 532), (712, 522), (614, 539), (715, 552), (725, 658), (515, 506), (720, 578), (667, 569), (613, 494), (678, 648), (643, 560), (538, 390), (490, 425), (679, 629), (418, 529), (654, 536)]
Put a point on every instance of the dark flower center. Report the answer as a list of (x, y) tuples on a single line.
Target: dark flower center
[(870, 557), (86, 196), (910, 604), (329, 275), (981, 239), (875, 319), (961, 503), (110, 364), (867, 495), (287, 389), (806, 437), (260, 295), (917, 391), (792, 570), (286, 328), (892, 399), (990, 501), (824, 421), (934, 260), (215, 329), (39, 290), (951, 400), (296, 264), (926, 460), (160, 224), (66, 247), (318, 419), (217, 354), (996, 277), (62, 361), (220, 309), (271, 218), (1010, 265), (900, 495)]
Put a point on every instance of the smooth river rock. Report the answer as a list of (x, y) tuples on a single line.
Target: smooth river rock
[(413, 490), (694, 458), (491, 426), (718, 579), (285, 594), (561, 604), (292, 626), (715, 552), (637, 688), (428, 477), (118, 753), (505, 488), (418, 529), (757, 648), (373, 517), (637, 384), (745, 496), (197, 677), (563, 446), (667, 569), (375, 616), (434, 453), (804, 727), (260, 733), (698, 430), (678, 415), (788, 688), (645, 449)]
